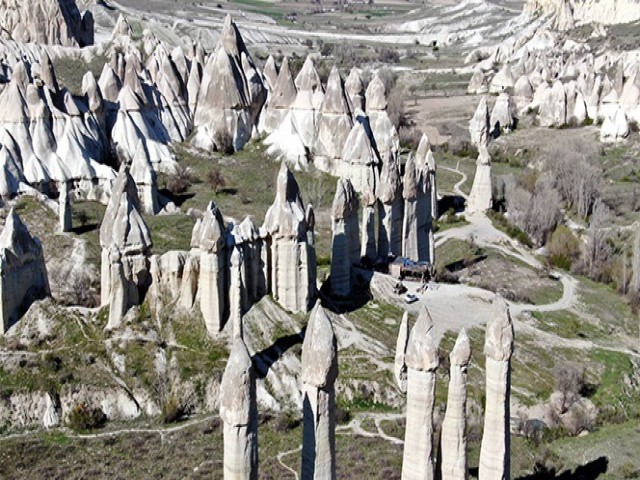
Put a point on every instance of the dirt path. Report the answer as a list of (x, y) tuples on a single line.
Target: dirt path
[(456, 187)]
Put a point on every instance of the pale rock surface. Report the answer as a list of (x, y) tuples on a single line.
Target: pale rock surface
[(319, 372), (453, 439), (390, 210), (239, 414), (503, 116), (417, 222), (478, 83), (615, 127), (385, 136), (231, 95), (356, 90), (281, 96), (209, 236), (52, 22), (334, 124), (399, 364), (64, 208), (553, 109), (479, 126), (359, 160), (292, 268), (305, 109), (495, 451), (126, 247), (503, 80), (481, 196), (345, 244), (422, 361), (23, 273)]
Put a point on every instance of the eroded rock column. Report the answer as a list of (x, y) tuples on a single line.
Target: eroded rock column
[(453, 439), (239, 413), (319, 372), (498, 347), (422, 361), (399, 365)]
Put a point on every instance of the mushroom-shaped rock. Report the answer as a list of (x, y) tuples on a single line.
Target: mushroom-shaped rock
[(400, 365), (319, 372), (453, 443), (210, 237), (356, 90), (345, 244), (23, 276), (421, 360), (292, 266), (239, 414), (479, 126), (498, 348), (334, 124)]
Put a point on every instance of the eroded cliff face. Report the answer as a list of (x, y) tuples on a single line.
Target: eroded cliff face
[(606, 12), (52, 22)]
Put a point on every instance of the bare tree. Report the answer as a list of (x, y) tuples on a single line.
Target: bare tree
[(597, 235)]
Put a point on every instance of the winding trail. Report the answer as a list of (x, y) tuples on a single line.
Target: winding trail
[(456, 187), (281, 455)]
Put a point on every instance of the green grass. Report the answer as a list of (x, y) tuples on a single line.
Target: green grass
[(454, 250), (566, 324), (170, 232)]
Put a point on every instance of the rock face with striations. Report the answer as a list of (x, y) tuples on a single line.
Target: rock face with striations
[(51, 22), (334, 124), (231, 95), (481, 197), (399, 364), (280, 99), (390, 210), (422, 361), (345, 244), (319, 373), (498, 346), (239, 414), (305, 109), (356, 90), (479, 126), (292, 268), (64, 208), (209, 236), (416, 230), (23, 275), (453, 439), (384, 132), (126, 247)]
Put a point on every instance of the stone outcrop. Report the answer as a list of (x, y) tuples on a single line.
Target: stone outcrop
[(417, 236), (453, 439), (51, 22), (615, 127), (360, 162), (210, 238), (126, 247), (422, 361), (502, 81), (334, 124), (481, 196), (498, 347), (305, 109), (387, 142), (280, 99), (239, 414), (23, 275), (319, 372), (553, 109), (503, 116), (356, 90), (390, 210), (64, 208), (479, 126), (292, 263), (345, 243), (231, 95), (399, 364), (580, 12)]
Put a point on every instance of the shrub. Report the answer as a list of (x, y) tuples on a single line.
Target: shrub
[(83, 418), (563, 248), (173, 409), (179, 181), (215, 179)]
